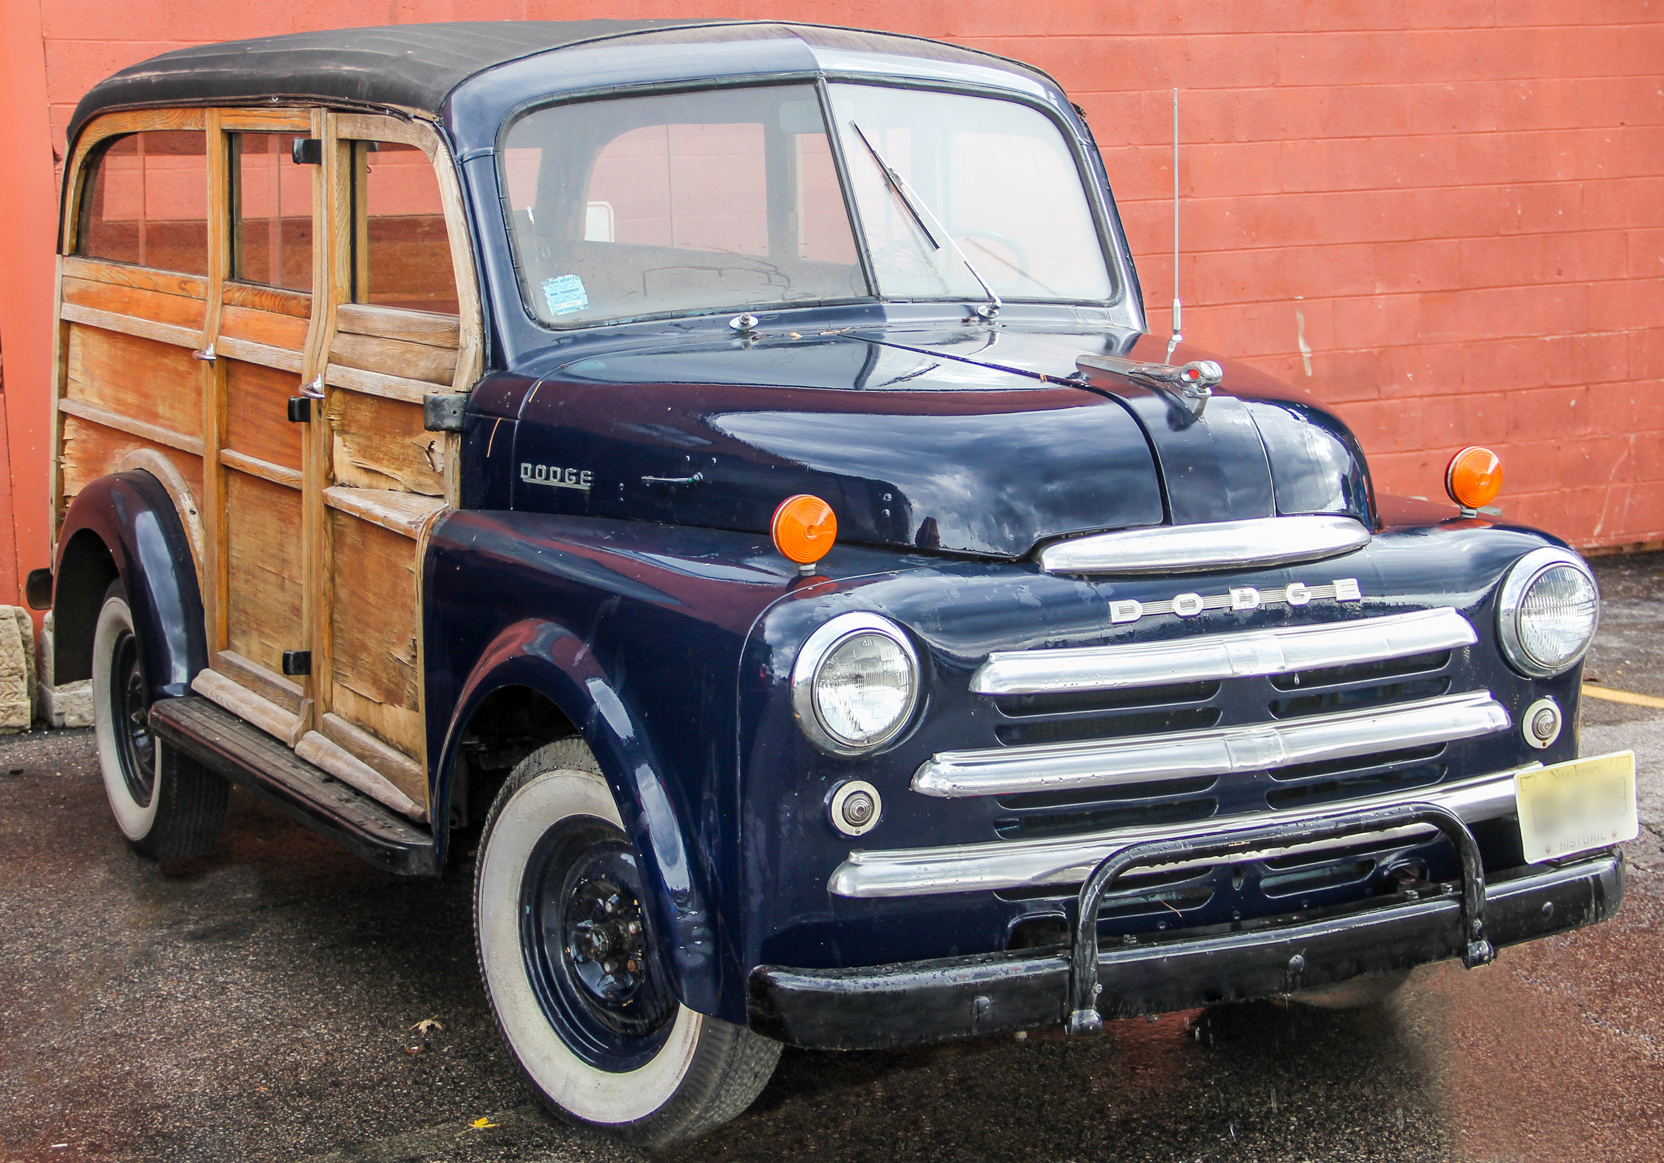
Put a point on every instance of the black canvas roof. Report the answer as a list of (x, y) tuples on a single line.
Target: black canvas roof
[(411, 65)]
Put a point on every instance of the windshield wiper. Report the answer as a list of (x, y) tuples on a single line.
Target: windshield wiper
[(915, 205)]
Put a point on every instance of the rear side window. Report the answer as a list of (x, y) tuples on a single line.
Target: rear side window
[(271, 239), (402, 251), (146, 202)]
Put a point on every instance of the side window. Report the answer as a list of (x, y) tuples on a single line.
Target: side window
[(146, 202), (403, 254), (271, 210)]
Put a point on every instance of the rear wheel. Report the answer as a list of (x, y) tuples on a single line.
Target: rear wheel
[(577, 984), (168, 807)]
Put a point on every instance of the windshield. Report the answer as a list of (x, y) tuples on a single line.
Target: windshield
[(694, 201), (730, 199), (997, 176)]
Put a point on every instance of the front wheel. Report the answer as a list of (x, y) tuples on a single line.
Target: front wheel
[(575, 980), (169, 807)]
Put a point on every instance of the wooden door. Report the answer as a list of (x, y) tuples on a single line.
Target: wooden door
[(404, 325), (264, 312), (321, 522)]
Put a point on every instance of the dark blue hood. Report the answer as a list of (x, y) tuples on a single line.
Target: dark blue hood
[(938, 440)]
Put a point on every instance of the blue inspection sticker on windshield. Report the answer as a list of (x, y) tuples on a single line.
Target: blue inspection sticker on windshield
[(565, 294)]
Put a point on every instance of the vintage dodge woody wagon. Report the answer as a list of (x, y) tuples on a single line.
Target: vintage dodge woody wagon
[(716, 477)]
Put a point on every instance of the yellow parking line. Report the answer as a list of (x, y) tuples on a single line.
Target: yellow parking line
[(1617, 696)]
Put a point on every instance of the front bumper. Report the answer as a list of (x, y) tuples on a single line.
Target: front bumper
[(927, 1001)]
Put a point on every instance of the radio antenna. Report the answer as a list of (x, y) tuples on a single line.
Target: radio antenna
[(1178, 334)]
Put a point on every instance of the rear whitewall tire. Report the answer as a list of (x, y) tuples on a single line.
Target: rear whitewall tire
[(703, 1072), (168, 810)]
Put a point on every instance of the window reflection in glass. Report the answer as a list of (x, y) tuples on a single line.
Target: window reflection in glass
[(146, 202), (725, 200), (272, 238)]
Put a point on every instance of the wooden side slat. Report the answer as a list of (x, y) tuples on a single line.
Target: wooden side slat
[(244, 703), (264, 117), (127, 325), (263, 327), (404, 771), (275, 300), (381, 444), (377, 384), (321, 752), (402, 513), (268, 684), (264, 469), (427, 327), (154, 433), (138, 379), (395, 357), (120, 274), (257, 413), (261, 353), (156, 306)]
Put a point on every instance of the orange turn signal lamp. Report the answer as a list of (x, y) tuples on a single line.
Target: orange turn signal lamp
[(1474, 478), (804, 529)]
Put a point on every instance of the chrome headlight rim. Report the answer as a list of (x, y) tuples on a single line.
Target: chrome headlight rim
[(1522, 575), (816, 649)]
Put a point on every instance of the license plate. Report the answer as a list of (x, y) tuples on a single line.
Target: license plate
[(1577, 806)]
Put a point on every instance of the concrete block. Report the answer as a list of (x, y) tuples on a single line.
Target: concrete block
[(17, 670), (68, 705)]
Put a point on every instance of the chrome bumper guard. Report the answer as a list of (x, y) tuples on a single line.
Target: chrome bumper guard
[(1083, 961), (884, 1006)]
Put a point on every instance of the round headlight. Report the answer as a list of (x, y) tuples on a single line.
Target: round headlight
[(855, 683), (1548, 611)]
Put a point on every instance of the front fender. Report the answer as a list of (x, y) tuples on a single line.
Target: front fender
[(552, 660), (127, 524)]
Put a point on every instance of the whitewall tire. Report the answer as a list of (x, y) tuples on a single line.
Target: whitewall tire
[(168, 807), (579, 991)]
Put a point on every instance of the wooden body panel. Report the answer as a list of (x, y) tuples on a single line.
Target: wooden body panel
[(308, 534), (90, 450), (379, 443), (257, 413), (141, 379), (264, 571)]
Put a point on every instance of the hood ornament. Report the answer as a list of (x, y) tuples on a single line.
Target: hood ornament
[(1193, 382)]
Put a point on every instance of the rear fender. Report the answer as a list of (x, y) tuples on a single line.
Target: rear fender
[(548, 658), (126, 526)]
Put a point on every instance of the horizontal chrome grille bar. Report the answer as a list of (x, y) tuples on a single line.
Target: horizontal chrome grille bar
[(1221, 656), (1188, 754), (1263, 541), (905, 872)]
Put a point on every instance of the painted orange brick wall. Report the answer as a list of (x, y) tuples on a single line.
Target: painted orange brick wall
[(1444, 217)]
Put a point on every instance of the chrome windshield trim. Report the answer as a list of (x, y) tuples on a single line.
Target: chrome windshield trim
[(1263, 541), (1221, 656), (1220, 751), (989, 867)]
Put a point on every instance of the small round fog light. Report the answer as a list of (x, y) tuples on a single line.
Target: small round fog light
[(1541, 725), (855, 807)]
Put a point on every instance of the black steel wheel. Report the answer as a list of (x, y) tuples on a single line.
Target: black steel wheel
[(588, 953)]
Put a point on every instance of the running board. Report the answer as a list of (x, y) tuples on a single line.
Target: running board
[(252, 759)]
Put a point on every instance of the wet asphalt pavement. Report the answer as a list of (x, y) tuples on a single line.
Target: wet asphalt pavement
[(262, 1003)]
